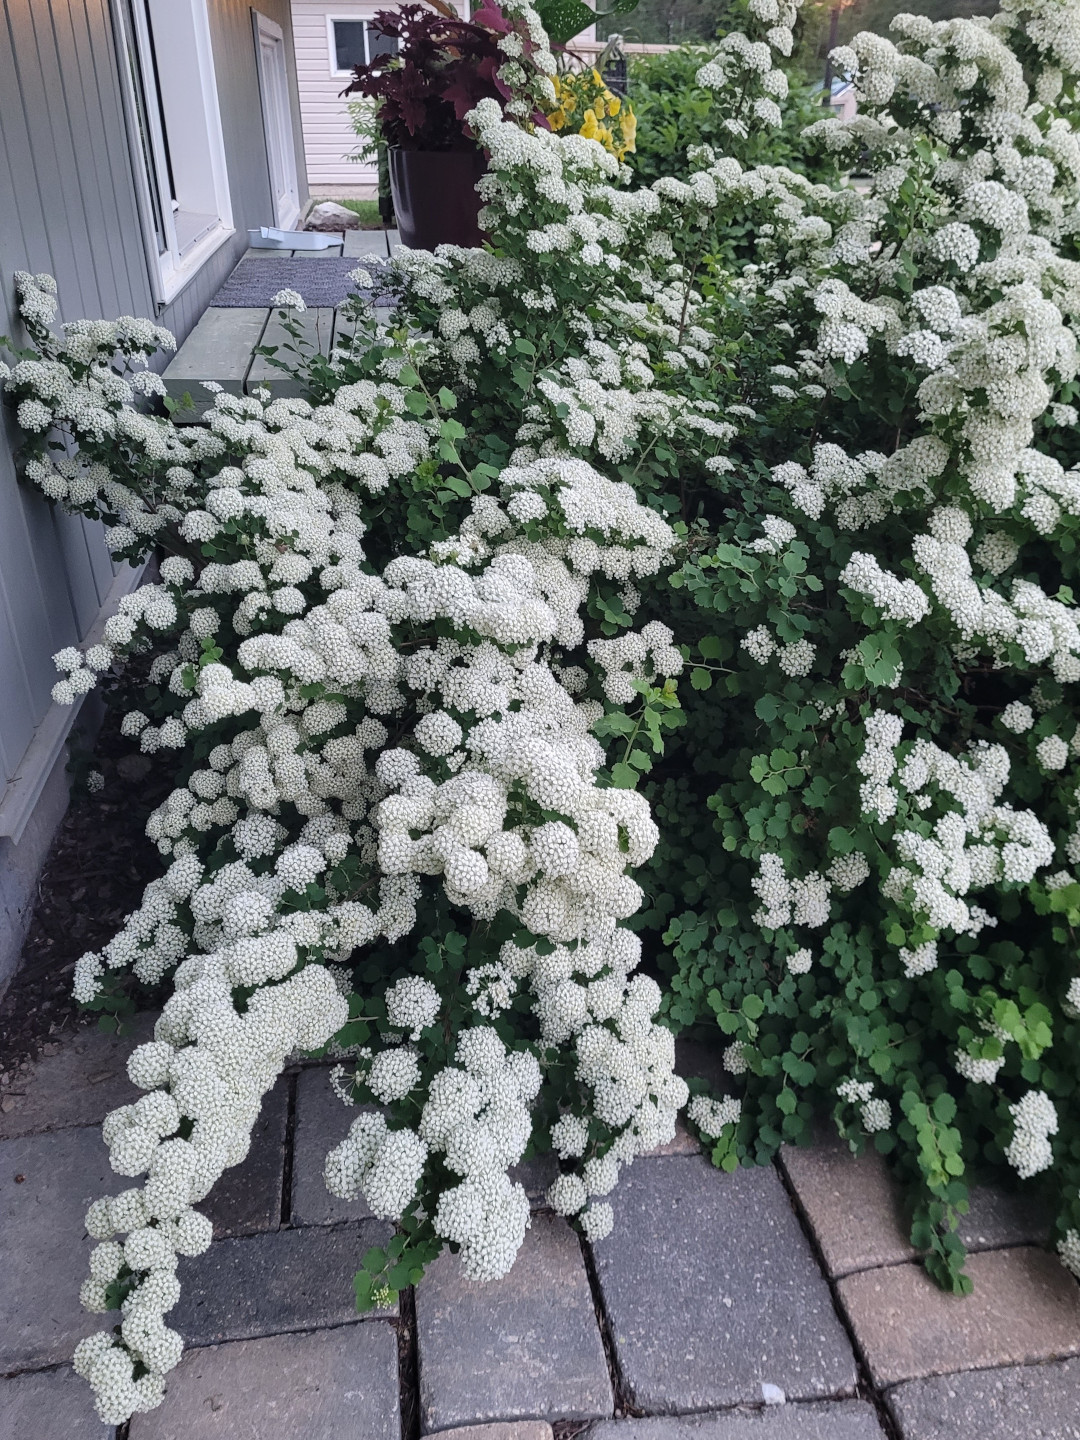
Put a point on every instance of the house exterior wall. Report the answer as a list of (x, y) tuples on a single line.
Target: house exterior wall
[(328, 135), (68, 206)]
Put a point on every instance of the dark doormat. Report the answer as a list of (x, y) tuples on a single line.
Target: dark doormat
[(324, 281)]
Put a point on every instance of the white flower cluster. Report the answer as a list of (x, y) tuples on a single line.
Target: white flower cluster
[(209, 1066), (786, 901), (1034, 1121), (974, 843), (713, 1116)]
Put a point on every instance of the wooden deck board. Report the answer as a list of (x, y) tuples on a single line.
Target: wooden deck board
[(221, 347), (218, 349), (317, 327), (365, 244)]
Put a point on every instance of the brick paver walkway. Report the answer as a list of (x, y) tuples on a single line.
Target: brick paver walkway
[(781, 1303)]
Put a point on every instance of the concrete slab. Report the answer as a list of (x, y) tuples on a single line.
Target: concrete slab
[(836, 1420), (322, 1122), (1037, 1402), (79, 1084), (50, 1405), (247, 1198)]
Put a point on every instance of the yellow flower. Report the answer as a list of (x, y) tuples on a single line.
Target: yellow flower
[(590, 129), (596, 76), (614, 105), (557, 119)]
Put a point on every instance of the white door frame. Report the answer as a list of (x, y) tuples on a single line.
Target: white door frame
[(277, 120)]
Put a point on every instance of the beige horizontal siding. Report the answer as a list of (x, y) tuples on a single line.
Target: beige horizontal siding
[(328, 135)]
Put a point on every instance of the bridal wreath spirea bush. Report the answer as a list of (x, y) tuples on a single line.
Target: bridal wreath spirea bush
[(414, 644)]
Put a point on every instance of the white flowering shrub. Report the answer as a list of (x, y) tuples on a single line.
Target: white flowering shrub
[(414, 648), (882, 719), (361, 754)]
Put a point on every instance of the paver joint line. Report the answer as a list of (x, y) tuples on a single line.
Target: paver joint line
[(865, 1387), (603, 1323), (287, 1165)]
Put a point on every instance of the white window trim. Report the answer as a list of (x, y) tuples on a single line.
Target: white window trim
[(170, 272), (331, 43)]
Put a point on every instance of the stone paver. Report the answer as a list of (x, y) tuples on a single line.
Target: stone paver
[(247, 1198), (322, 1122), (835, 1420), (712, 1290), (269, 1284), (854, 1209), (1025, 1307), (54, 1405), (1035, 1402), (524, 1347), (850, 1203), (46, 1184), (335, 1385), (535, 1175), (79, 1084), (503, 1430)]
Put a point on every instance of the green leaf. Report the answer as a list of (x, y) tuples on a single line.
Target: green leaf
[(753, 1007), (563, 19)]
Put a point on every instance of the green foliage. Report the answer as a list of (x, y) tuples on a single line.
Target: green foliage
[(675, 113)]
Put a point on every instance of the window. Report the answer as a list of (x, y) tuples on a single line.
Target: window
[(176, 133), (355, 42)]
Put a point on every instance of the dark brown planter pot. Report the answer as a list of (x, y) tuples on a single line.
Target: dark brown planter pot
[(435, 197)]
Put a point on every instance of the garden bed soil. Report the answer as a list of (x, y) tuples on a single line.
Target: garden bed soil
[(94, 875)]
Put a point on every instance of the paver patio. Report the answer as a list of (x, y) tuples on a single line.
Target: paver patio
[(782, 1303)]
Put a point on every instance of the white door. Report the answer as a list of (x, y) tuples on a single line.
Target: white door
[(277, 120)]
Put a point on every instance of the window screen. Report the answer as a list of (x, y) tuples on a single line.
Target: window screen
[(349, 44), (379, 44)]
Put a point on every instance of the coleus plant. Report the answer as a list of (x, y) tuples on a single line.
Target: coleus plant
[(445, 65)]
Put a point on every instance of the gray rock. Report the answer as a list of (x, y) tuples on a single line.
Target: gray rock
[(247, 1198), (46, 1185), (329, 216), (269, 1284), (524, 1347), (54, 1405), (80, 1084), (322, 1122), (333, 1385), (711, 1290), (839, 1420), (1038, 1402)]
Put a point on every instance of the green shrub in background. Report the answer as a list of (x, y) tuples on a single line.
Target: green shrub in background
[(675, 113)]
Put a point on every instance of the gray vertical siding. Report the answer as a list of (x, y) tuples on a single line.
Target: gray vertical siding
[(68, 206)]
